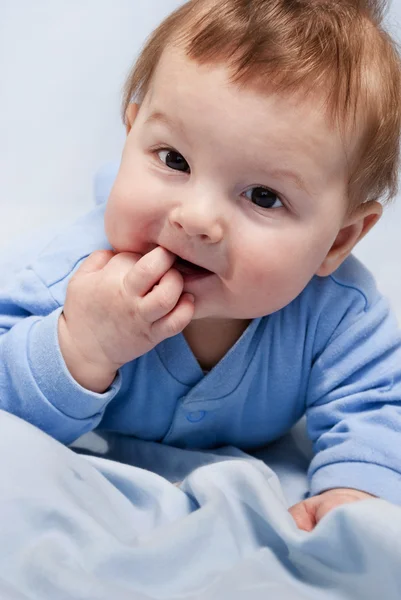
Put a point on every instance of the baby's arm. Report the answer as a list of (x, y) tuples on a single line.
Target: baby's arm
[(35, 382), (354, 407), (118, 307)]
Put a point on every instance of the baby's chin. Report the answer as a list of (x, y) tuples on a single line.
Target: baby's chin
[(201, 312)]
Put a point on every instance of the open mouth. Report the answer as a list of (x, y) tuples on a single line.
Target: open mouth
[(187, 268)]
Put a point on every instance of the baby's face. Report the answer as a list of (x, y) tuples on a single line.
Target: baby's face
[(251, 187)]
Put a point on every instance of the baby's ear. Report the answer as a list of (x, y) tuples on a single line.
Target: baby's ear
[(130, 115), (355, 227)]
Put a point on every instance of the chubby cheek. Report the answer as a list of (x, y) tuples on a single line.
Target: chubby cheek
[(267, 282), (118, 223), (125, 220), (265, 290)]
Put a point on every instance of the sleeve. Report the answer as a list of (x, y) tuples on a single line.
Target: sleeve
[(35, 383), (354, 402)]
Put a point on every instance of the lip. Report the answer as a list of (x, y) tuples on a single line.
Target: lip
[(183, 268), (188, 278), (190, 274), (187, 258)]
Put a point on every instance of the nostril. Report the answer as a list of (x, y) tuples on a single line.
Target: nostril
[(194, 226)]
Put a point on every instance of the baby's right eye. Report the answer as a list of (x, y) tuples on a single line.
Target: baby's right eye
[(174, 160)]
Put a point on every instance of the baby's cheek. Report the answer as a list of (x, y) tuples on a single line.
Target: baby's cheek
[(280, 283), (120, 224), (110, 221)]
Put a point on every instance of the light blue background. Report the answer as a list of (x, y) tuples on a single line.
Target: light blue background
[(62, 68)]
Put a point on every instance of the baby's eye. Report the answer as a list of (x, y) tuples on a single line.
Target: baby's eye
[(174, 160), (263, 197)]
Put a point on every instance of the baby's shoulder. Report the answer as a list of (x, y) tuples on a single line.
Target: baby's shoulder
[(346, 301), (351, 285), (56, 262)]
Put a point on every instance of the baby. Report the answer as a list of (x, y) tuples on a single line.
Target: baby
[(214, 300)]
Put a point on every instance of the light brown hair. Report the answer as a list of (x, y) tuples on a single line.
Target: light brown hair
[(286, 46)]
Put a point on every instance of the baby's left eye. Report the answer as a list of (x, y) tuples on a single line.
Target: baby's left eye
[(174, 160), (263, 197)]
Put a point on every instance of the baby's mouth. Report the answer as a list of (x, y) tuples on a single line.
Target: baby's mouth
[(187, 268)]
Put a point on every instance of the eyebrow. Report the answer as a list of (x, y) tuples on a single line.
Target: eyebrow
[(160, 117), (296, 178)]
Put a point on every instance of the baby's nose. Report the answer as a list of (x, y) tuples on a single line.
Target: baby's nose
[(198, 220)]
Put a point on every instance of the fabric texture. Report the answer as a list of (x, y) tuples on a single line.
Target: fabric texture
[(75, 527)]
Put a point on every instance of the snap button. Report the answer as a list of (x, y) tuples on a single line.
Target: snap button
[(195, 417)]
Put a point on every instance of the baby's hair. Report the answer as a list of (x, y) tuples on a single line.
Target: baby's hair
[(336, 47)]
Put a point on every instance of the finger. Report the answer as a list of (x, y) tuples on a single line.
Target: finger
[(95, 261), (123, 262), (163, 297), (173, 323), (148, 271), (303, 514)]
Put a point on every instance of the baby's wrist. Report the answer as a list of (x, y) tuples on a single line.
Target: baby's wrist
[(90, 375), (349, 492)]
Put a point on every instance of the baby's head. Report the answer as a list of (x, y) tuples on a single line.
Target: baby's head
[(262, 135)]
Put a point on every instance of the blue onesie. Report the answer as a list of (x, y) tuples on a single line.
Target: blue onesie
[(333, 353)]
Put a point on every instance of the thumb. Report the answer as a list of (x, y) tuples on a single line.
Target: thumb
[(304, 514), (95, 261)]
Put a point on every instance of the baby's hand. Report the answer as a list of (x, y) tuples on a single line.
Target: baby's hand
[(309, 512), (118, 307)]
